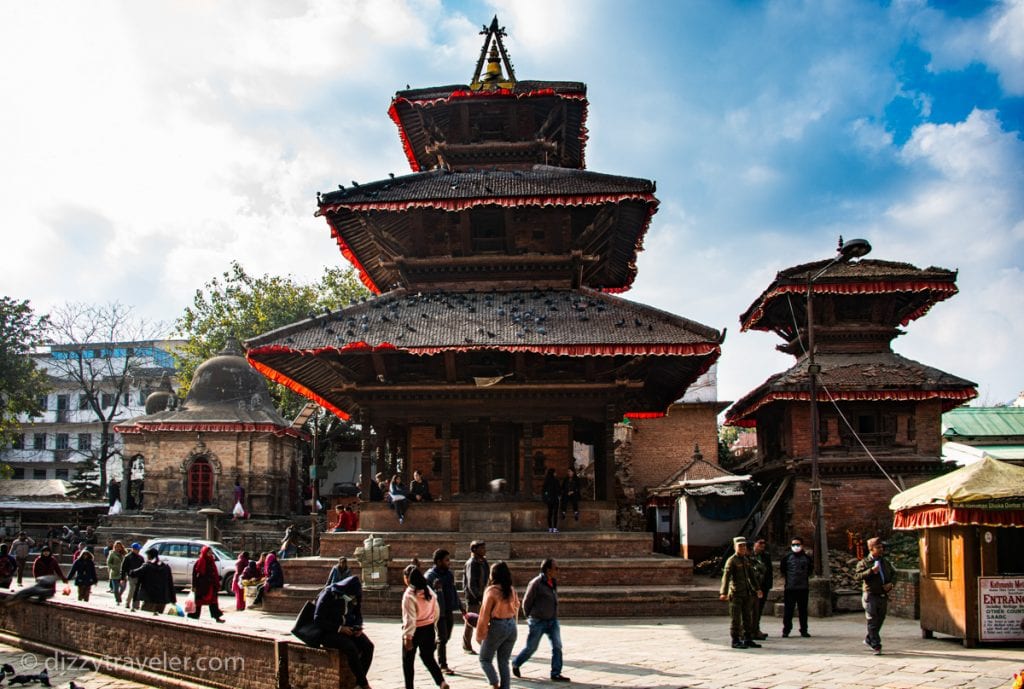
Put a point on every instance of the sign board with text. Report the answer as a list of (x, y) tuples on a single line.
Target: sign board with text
[(1001, 608)]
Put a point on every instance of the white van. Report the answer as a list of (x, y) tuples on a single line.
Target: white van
[(181, 554)]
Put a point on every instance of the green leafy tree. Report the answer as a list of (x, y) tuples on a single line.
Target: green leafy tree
[(727, 435), (21, 382), (240, 305)]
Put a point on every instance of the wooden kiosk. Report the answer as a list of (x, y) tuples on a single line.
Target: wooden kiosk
[(971, 533)]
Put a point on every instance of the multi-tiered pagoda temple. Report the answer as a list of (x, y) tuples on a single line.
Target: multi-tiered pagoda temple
[(879, 412), (494, 341)]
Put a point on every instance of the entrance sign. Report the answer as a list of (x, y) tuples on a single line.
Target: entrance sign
[(1001, 608)]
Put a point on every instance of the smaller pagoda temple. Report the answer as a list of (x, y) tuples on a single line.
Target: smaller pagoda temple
[(879, 413)]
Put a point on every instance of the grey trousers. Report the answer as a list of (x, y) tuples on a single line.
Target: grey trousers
[(875, 608)]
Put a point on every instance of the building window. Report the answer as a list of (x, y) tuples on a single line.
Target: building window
[(61, 474), (62, 441), (39, 474), (487, 230), (19, 473), (200, 482), (39, 441), (85, 441), (125, 398), (435, 464), (106, 400), (41, 403), (18, 441), (83, 401), (936, 553), (911, 428)]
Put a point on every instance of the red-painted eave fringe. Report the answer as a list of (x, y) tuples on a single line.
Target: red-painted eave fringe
[(210, 427), (700, 349), (943, 290), (644, 414), (499, 93), (950, 398), (350, 256), (295, 386), (927, 517)]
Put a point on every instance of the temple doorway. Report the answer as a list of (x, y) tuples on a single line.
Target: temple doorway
[(488, 451), (200, 482)]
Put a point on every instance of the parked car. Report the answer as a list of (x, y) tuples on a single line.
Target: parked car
[(181, 554)]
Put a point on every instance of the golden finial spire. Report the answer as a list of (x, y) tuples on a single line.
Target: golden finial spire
[(494, 52)]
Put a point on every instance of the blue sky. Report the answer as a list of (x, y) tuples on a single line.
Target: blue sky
[(148, 144)]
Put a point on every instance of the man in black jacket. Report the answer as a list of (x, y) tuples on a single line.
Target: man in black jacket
[(442, 580), (796, 568), (878, 576), (339, 617), (474, 583), (132, 561), (156, 585), (541, 607)]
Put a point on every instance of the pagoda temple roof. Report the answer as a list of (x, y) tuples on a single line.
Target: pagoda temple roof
[(925, 286), (569, 322), (868, 376), (429, 94), (365, 245)]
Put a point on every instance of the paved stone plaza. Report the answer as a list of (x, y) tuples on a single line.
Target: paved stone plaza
[(678, 653)]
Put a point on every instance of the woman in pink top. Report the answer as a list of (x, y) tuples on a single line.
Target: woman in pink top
[(420, 612), (496, 627)]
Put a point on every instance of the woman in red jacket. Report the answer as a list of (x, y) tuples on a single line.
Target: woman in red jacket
[(206, 585), (46, 564)]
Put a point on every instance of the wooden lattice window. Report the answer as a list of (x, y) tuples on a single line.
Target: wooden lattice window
[(200, 482)]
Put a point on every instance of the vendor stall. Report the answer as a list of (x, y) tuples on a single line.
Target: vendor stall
[(970, 525)]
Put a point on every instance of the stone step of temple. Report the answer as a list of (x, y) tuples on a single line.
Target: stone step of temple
[(490, 516), (520, 545), (484, 522), (620, 601), (662, 570)]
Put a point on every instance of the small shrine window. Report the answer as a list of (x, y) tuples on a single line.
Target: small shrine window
[(487, 230), (936, 553), (435, 464)]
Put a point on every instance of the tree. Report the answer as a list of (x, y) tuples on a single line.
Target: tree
[(21, 382), (92, 351), (242, 306)]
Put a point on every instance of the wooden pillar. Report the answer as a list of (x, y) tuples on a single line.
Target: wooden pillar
[(365, 443), (446, 460), (380, 454), (611, 417), (526, 466)]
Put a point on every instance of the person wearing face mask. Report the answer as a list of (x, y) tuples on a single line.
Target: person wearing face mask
[(796, 567), (878, 576)]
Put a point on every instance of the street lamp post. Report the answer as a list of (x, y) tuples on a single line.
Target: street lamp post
[(855, 248)]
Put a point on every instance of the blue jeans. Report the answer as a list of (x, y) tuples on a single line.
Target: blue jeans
[(539, 628), (115, 586), (501, 637)]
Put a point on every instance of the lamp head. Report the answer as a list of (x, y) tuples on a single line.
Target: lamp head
[(855, 248)]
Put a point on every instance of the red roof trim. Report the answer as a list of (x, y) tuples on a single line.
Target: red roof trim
[(952, 398), (498, 93), (295, 387), (928, 517), (209, 427), (350, 256), (645, 414), (455, 205), (698, 349), (945, 290)]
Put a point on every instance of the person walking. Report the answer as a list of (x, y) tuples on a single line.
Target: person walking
[(115, 563), (132, 561), (765, 577), (156, 585), (399, 497), (83, 571), (20, 548), (496, 626), (551, 492), (571, 494), (442, 580), (339, 618), (206, 585), (878, 576), (475, 580), (339, 571), (8, 567), (795, 567), (46, 565), (420, 612), (739, 587), (541, 607)]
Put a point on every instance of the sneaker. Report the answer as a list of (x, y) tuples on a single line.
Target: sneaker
[(470, 651), (515, 671), (736, 643), (806, 635), (447, 670), (760, 636), (560, 678), (785, 635), (877, 650), (576, 516), (554, 530), (750, 644), (401, 520)]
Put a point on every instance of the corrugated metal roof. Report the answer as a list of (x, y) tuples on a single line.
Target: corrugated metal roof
[(973, 422)]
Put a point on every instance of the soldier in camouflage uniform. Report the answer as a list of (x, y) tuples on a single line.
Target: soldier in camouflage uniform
[(740, 578)]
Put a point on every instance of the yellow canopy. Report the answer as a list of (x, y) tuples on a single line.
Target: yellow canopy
[(983, 481)]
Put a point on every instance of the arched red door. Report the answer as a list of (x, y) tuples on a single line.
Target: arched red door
[(200, 482)]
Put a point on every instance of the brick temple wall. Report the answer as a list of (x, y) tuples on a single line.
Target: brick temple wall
[(661, 446)]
